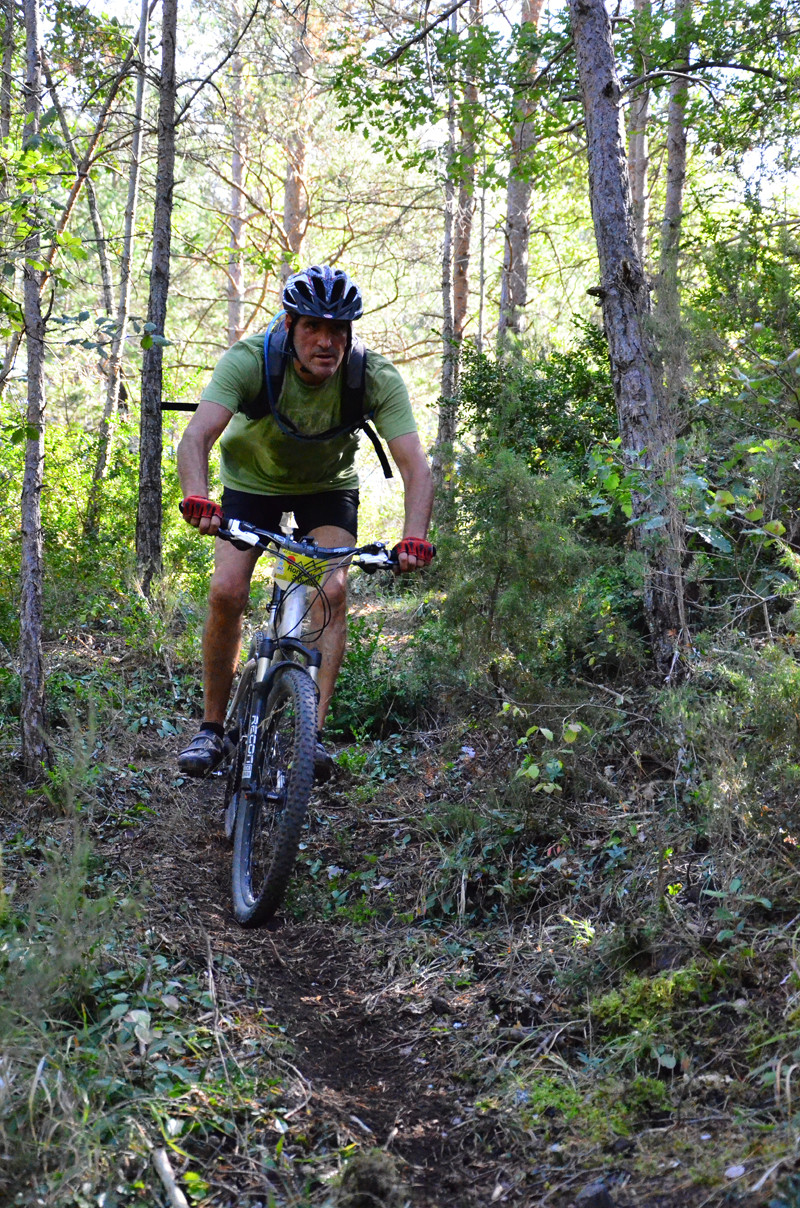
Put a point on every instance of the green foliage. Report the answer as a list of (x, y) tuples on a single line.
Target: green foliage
[(106, 1041), (513, 549), (551, 410), (739, 464), (375, 689), (391, 108), (737, 717), (526, 594)]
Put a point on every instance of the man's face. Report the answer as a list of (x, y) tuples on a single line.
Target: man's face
[(320, 345)]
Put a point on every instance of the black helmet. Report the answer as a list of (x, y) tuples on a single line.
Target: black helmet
[(322, 292)]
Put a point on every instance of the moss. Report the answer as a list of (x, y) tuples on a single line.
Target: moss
[(639, 999)]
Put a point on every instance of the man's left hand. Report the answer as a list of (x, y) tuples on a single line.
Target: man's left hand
[(413, 553)]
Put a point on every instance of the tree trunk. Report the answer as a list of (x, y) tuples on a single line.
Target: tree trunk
[(113, 368), (32, 708), (668, 300), (295, 202), (5, 68), (482, 263), (638, 143), (514, 278), (148, 519), (645, 427), (466, 200), (441, 462), (235, 264)]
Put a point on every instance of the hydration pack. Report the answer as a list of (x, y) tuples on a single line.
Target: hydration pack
[(354, 416)]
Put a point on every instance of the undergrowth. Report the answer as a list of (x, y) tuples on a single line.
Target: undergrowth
[(112, 1045), (580, 885)]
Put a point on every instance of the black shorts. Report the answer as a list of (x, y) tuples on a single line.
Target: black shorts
[(310, 511)]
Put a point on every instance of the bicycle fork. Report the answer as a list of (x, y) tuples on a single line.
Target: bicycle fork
[(270, 659)]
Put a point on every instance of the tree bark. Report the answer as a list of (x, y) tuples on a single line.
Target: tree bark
[(514, 278), (668, 299), (235, 263), (148, 519), (466, 199), (441, 461), (113, 367), (31, 660), (295, 201), (5, 68), (644, 419), (638, 142)]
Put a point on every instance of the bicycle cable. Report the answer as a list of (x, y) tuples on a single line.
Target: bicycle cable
[(305, 576)]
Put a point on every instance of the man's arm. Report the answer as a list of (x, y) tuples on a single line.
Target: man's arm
[(412, 463), (202, 432)]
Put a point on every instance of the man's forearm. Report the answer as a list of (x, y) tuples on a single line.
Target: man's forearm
[(204, 429), (418, 502), (193, 464)]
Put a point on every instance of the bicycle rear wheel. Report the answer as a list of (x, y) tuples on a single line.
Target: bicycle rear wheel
[(270, 814)]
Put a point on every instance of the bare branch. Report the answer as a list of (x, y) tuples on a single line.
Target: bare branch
[(221, 64), (423, 33)]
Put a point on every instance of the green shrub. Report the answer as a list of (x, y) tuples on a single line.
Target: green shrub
[(548, 411), (377, 688)]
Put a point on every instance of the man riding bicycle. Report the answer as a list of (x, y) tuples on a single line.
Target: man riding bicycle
[(300, 459)]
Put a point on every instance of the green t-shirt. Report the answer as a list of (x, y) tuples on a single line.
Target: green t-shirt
[(255, 456)]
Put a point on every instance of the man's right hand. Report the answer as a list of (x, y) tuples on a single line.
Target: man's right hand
[(203, 514)]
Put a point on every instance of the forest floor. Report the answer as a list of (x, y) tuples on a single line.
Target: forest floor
[(411, 999)]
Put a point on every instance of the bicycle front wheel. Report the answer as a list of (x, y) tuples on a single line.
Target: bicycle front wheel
[(236, 726), (270, 814)]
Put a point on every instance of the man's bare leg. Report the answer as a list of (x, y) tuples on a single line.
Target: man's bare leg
[(333, 640), (222, 636)]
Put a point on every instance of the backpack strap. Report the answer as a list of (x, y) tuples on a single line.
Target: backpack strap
[(354, 394), (354, 390)]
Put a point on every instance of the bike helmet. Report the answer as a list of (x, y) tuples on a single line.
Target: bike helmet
[(322, 292)]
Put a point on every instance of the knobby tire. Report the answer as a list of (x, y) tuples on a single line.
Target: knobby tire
[(270, 815), (233, 783)]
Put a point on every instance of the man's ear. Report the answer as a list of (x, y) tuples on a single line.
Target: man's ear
[(287, 321)]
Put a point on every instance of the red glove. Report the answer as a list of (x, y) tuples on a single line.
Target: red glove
[(416, 547), (195, 508)]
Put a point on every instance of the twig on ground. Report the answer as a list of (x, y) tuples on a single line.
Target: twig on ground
[(163, 1169)]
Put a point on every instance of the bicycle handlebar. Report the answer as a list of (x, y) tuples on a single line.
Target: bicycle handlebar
[(369, 557)]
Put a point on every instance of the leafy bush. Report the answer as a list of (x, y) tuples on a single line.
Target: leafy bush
[(526, 594), (513, 549), (549, 411), (736, 724), (376, 688)]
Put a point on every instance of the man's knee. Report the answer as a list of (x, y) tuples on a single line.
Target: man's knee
[(228, 596), (336, 593)]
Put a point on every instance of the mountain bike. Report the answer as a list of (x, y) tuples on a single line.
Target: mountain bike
[(271, 723)]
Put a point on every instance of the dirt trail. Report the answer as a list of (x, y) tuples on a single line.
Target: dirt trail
[(372, 1064), (361, 1075)]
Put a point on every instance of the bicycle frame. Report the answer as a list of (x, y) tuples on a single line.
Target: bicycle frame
[(272, 718), (276, 647), (299, 565)]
